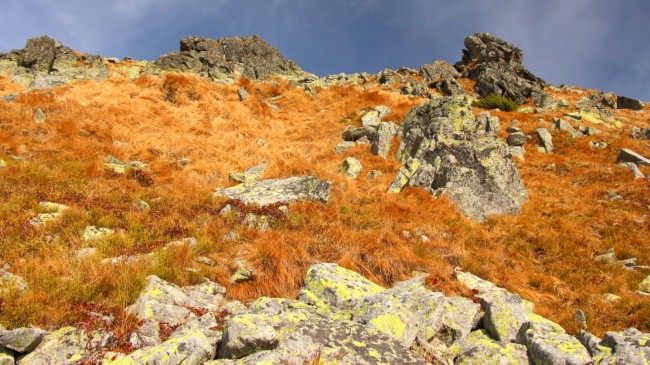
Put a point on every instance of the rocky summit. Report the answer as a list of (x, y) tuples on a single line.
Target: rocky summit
[(249, 57), (219, 205)]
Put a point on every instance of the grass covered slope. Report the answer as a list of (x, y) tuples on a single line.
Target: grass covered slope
[(546, 253)]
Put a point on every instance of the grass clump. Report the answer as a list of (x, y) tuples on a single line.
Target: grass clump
[(494, 101)]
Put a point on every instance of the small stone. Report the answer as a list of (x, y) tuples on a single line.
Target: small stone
[(342, 146), (383, 110), (611, 298), (143, 205), (12, 283), (185, 242), (230, 236), (284, 210), (85, 252), (644, 286), (591, 131), (227, 209), (251, 174), (39, 116), (374, 174), (516, 139), (92, 233), (261, 142), (3, 164), (243, 94), (351, 167), (184, 161), (206, 261), (607, 258), (513, 129)]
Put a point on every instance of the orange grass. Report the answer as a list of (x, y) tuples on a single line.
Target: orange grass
[(545, 253)]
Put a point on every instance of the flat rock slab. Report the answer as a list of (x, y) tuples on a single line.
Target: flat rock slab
[(21, 340), (628, 155), (266, 192)]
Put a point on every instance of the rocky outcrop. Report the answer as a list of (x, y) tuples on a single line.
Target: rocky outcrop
[(340, 317), (45, 63), (249, 57), (266, 192), (459, 155), (497, 68), (442, 76)]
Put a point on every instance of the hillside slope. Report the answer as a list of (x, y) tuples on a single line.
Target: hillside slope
[(192, 133)]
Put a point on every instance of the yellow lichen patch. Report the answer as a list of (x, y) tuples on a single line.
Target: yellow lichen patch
[(390, 324)]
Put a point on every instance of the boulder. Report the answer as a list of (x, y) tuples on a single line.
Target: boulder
[(6, 357), (335, 286), (266, 192), (644, 286), (628, 103), (438, 71), (458, 157), (343, 146), (21, 340), (546, 139), (547, 343), (640, 133), (497, 68), (404, 175), (193, 344), (243, 94), (38, 55), (516, 139), (351, 167), (386, 131), (504, 317), (356, 134), (296, 334), (164, 302), (67, 345), (563, 125), (249, 57), (628, 347), (370, 119), (94, 233), (627, 155), (11, 283), (479, 348)]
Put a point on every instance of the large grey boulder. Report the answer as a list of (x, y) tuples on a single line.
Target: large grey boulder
[(628, 347), (458, 157), (249, 57), (336, 286), (479, 348), (165, 302), (386, 131), (67, 345), (547, 343), (266, 192), (497, 68)]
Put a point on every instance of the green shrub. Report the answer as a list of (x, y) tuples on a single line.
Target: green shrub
[(494, 101)]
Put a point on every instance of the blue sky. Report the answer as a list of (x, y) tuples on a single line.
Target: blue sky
[(600, 44)]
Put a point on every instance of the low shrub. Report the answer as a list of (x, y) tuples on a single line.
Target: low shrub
[(494, 101)]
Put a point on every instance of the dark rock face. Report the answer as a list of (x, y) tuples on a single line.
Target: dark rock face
[(461, 157), (497, 68), (442, 76), (249, 57), (38, 55), (628, 103), (47, 63)]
